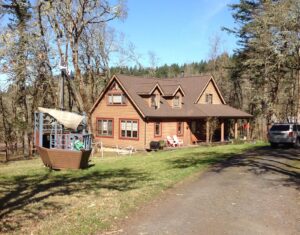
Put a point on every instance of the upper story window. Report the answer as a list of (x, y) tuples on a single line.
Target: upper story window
[(209, 98), (154, 101), (116, 99), (176, 101)]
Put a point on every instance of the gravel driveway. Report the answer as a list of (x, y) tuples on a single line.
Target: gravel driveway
[(255, 193)]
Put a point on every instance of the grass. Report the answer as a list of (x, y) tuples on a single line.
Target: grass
[(36, 200)]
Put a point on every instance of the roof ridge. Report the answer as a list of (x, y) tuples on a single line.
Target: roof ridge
[(165, 78)]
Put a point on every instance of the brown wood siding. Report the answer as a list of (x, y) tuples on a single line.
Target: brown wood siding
[(210, 89), (168, 128), (118, 112)]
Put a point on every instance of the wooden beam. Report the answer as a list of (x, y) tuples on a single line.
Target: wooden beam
[(235, 129), (248, 130), (222, 130), (207, 131)]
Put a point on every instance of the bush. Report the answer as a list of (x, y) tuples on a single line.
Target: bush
[(162, 144), (238, 141)]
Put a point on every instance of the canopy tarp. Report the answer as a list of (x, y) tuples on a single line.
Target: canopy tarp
[(68, 119)]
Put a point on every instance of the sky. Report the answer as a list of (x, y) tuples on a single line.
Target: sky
[(177, 31)]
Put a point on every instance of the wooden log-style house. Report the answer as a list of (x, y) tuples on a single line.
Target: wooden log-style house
[(133, 111)]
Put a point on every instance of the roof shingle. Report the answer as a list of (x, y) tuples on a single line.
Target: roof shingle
[(192, 88)]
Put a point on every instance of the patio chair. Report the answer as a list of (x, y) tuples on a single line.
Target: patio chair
[(177, 141), (124, 151), (171, 142)]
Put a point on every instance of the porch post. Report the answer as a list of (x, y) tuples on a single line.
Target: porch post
[(248, 129), (222, 130), (207, 131), (235, 129)]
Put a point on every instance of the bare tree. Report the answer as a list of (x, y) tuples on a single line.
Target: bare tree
[(70, 20)]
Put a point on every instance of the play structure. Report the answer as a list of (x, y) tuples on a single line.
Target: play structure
[(55, 136)]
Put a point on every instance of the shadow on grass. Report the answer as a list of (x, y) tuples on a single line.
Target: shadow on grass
[(282, 162), (198, 159), (26, 195)]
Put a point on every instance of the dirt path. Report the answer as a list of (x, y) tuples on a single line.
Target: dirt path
[(257, 193)]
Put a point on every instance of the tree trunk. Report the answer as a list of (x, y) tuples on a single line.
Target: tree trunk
[(79, 95), (75, 94)]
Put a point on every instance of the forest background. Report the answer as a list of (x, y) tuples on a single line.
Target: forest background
[(261, 77)]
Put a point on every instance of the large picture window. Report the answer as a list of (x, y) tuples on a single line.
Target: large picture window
[(129, 129), (105, 127)]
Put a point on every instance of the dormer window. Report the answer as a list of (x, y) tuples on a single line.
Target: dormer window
[(209, 98), (154, 101), (176, 101)]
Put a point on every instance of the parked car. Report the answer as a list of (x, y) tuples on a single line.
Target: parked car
[(284, 133)]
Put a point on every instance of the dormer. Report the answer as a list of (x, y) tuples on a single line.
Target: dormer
[(210, 94), (155, 96), (154, 101), (177, 98)]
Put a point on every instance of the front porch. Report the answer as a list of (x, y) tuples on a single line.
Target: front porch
[(208, 130)]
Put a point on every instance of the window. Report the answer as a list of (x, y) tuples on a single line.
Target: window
[(180, 128), (157, 129), (154, 101), (176, 102), (129, 129), (116, 99), (280, 128), (296, 127), (209, 98), (105, 127)]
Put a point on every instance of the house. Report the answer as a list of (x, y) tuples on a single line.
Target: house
[(133, 111)]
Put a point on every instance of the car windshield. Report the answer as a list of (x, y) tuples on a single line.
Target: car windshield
[(280, 128)]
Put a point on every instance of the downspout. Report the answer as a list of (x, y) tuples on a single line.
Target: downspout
[(145, 133)]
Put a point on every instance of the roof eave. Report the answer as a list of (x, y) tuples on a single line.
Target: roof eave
[(101, 94), (114, 77), (156, 86)]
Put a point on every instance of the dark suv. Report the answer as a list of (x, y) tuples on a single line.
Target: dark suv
[(284, 133)]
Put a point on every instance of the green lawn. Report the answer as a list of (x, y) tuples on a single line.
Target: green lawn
[(34, 199)]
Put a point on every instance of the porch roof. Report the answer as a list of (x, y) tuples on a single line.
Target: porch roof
[(202, 111), (222, 110)]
